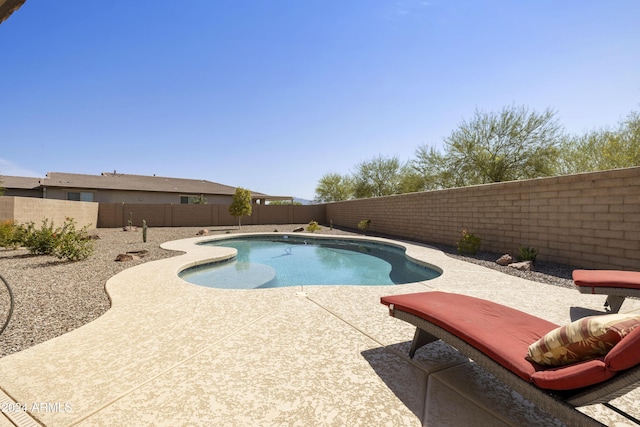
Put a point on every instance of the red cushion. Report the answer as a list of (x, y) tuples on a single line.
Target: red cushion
[(625, 354), (573, 376), (502, 333), (607, 278)]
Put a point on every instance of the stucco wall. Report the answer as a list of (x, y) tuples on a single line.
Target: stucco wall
[(589, 220)]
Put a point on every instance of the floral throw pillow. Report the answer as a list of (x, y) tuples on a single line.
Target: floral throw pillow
[(583, 339)]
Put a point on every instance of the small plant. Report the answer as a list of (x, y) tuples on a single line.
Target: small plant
[(527, 254), (64, 242), (313, 227), (144, 231), (330, 224), (364, 225), (72, 244), (40, 241), (10, 235), (468, 244)]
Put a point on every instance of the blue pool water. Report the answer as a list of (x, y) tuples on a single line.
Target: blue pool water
[(278, 261)]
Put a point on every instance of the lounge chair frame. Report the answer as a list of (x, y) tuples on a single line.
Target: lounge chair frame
[(599, 282), (561, 405), (615, 296)]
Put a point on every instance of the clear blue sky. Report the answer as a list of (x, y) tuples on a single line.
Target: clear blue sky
[(271, 95)]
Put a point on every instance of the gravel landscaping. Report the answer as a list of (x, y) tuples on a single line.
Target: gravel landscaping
[(53, 297)]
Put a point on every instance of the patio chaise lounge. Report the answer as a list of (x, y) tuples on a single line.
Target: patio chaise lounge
[(617, 285), (499, 339)]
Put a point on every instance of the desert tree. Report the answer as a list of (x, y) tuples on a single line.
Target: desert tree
[(380, 176), (511, 144), (241, 204), (334, 187)]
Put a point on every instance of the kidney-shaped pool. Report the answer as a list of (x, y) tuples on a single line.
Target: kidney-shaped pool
[(278, 261)]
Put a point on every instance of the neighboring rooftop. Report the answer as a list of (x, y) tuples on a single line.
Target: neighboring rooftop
[(114, 181)]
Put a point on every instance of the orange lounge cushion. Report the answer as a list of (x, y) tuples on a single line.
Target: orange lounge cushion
[(584, 339), (607, 279)]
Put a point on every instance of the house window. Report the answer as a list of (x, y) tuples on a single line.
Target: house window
[(80, 196)]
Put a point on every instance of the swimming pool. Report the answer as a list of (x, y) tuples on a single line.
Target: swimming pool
[(282, 260)]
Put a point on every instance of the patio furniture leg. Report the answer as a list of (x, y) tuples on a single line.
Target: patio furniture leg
[(614, 302), (420, 338)]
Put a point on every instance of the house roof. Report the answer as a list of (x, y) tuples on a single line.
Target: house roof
[(19, 182), (7, 7), (126, 182), (120, 181)]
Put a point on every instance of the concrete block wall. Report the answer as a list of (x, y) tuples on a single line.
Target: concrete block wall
[(589, 220), (113, 215), (25, 209)]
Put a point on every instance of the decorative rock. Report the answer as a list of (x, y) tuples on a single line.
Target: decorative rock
[(141, 253), (130, 228), (298, 230), (202, 232), (522, 266), (126, 257), (505, 259)]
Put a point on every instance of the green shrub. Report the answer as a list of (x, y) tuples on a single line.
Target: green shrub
[(10, 235), (40, 241), (364, 225), (527, 254), (468, 244), (64, 242), (72, 244), (313, 227)]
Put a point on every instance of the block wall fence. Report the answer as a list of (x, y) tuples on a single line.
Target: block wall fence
[(589, 220), (25, 209), (112, 215)]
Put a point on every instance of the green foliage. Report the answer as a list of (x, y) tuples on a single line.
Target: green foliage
[(241, 204), (334, 188), (313, 227), (511, 144), (40, 241), (66, 242), (527, 254), (199, 200), (10, 235), (284, 202), (73, 244), (468, 243), (377, 177), (494, 147), (603, 149), (364, 225)]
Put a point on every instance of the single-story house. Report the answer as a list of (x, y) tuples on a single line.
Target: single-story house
[(113, 187)]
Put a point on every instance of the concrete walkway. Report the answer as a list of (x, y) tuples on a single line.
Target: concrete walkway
[(171, 353)]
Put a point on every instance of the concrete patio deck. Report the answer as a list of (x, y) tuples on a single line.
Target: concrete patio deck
[(171, 353)]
